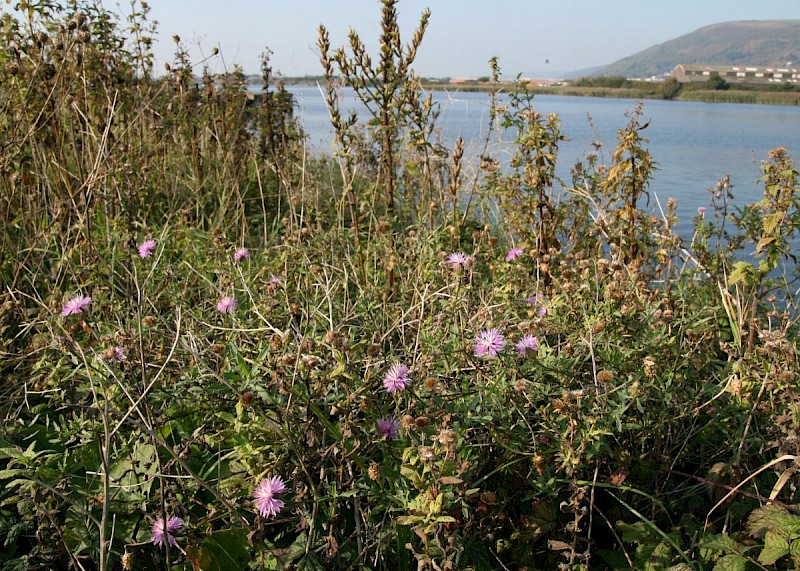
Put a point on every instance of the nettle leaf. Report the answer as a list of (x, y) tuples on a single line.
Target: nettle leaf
[(775, 547)]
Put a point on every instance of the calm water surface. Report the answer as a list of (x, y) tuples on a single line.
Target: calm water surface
[(694, 144)]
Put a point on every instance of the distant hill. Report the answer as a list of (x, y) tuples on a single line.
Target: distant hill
[(757, 42)]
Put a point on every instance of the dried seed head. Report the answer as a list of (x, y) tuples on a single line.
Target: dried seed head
[(447, 438), (605, 376), (421, 422), (425, 454), (431, 382), (373, 350), (247, 399), (407, 422), (374, 471)]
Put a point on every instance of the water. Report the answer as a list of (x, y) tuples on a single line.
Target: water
[(694, 144)]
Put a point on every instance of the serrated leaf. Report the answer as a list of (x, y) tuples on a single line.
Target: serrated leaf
[(794, 549), (732, 562), (775, 547), (741, 272), (711, 545), (764, 519)]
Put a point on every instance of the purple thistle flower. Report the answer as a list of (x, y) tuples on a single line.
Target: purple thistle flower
[(76, 304), (274, 281), (489, 343), (396, 379), (513, 254), (264, 496), (241, 254), (701, 211), (459, 259), (226, 304), (528, 344), (389, 427), (163, 532), (147, 248)]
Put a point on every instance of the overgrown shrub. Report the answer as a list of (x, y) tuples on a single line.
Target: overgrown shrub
[(218, 353)]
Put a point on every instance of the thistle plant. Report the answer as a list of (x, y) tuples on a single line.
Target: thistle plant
[(390, 91)]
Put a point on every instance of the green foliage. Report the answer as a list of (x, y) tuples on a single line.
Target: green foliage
[(652, 424)]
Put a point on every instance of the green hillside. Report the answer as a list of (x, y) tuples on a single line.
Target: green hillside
[(762, 43)]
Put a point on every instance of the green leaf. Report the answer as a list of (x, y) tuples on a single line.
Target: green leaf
[(794, 550), (732, 562), (225, 550), (711, 545), (742, 271), (775, 547), (765, 519)]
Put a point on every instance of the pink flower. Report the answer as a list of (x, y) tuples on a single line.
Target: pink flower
[(264, 496), (226, 304), (76, 304), (513, 254), (459, 259), (147, 248), (528, 344), (388, 427), (274, 281), (489, 343), (160, 533), (396, 379), (701, 211), (241, 254)]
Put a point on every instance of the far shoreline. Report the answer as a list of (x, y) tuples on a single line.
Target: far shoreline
[(646, 90)]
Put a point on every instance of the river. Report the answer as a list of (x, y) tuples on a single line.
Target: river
[(694, 144)]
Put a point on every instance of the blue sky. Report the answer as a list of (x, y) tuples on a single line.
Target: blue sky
[(531, 37)]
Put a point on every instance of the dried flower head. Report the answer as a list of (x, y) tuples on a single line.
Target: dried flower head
[(605, 376), (374, 471)]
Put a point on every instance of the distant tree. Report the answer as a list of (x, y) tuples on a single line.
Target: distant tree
[(484, 79), (614, 81), (715, 81), (669, 89)]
